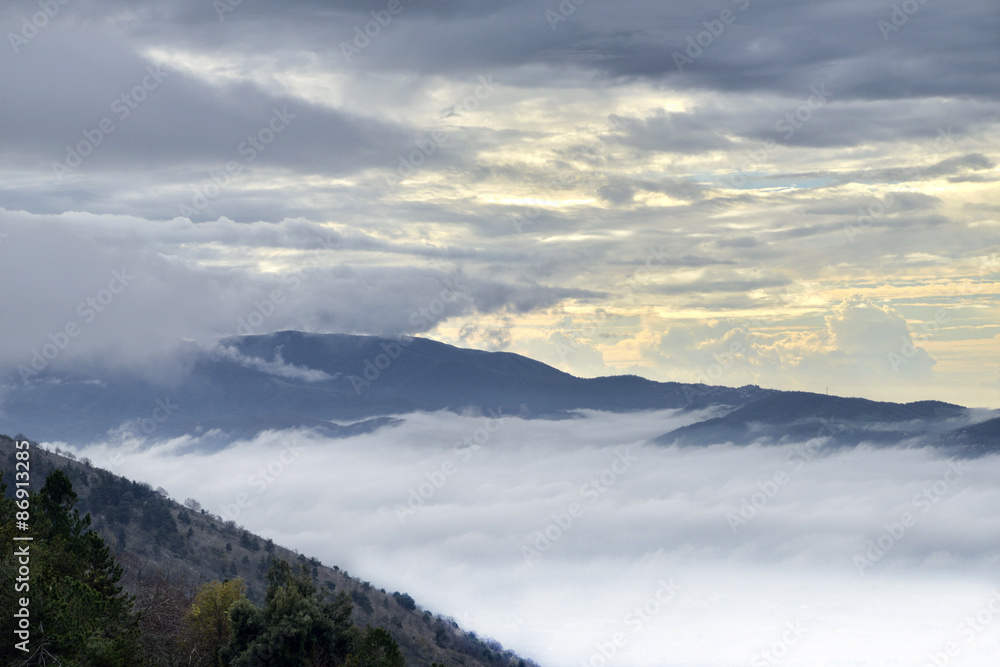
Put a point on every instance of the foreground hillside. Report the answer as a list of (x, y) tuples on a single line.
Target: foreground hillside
[(181, 546)]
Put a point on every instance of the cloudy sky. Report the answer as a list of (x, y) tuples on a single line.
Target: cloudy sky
[(798, 195), (755, 556)]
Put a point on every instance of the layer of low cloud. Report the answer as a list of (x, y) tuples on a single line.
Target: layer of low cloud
[(754, 537), (277, 366)]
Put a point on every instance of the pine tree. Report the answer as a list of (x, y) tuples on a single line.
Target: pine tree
[(298, 627), (79, 613)]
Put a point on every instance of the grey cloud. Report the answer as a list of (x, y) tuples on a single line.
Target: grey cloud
[(173, 293), (940, 50), (621, 191), (709, 285), (683, 135), (814, 117), (674, 132)]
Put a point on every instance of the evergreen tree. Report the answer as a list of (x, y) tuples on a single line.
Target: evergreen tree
[(298, 627), (377, 648), (294, 624), (79, 614)]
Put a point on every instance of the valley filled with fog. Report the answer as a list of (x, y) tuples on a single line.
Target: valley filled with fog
[(573, 541)]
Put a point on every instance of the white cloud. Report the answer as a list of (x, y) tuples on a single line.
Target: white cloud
[(665, 516), (277, 367)]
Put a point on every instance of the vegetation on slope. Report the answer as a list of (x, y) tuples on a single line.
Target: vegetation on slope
[(126, 576)]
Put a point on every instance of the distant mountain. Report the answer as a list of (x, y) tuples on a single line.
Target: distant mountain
[(981, 438), (797, 416), (343, 385), (338, 384)]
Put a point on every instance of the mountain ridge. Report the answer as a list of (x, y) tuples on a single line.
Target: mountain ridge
[(271, 381), (341, 385), (796, 415)]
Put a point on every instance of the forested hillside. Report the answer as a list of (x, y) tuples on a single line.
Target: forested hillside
[(182, 573)]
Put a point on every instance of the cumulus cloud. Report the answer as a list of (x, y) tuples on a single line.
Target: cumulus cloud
[(857, 341), (866, 333)]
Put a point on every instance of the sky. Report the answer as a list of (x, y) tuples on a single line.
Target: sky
[(796, 195), (548, 535)]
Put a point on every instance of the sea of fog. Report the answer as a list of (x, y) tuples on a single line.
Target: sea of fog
[(573, 542)]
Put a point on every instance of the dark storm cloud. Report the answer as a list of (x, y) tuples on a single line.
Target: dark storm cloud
[(938, 50), (189, 127)]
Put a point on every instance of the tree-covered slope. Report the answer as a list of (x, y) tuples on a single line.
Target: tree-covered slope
[(168, 550)]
